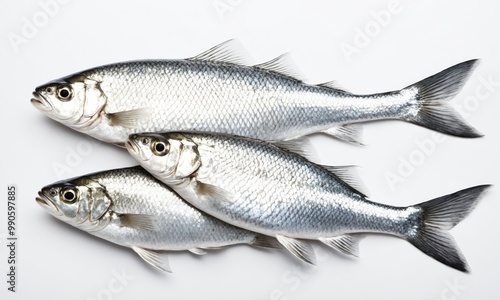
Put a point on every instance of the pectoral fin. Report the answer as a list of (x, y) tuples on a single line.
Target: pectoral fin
[(214, 193), (301, 249), (154, 258), (138, 221), (129, 118), (120, 144)]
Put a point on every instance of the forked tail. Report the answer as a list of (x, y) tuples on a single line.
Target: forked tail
[(439, 216), (433, 93)]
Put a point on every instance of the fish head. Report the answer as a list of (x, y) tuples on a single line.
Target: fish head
[(169, 157), (79, 203), (74, 101), (60, 199)]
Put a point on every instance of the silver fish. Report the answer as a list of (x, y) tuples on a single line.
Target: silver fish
[(216, 92), (260, 187), (131, 208)]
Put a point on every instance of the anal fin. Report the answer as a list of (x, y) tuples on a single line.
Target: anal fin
[(154, 258), (301, 249), (197, 251), (351, 133), (347, 244), (265, 241)]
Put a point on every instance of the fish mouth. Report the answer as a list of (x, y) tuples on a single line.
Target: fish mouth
[(46, 203), (135, 150), (39, 102), (131, 146)]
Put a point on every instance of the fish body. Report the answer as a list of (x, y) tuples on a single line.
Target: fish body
[(214, 92), (261, 187), (131, 208)]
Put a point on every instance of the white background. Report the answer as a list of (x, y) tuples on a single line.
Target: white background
[(421, 38)]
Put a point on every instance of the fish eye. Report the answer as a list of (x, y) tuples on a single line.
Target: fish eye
[(68, 195), (64, 93), (145, 141), (160, 148)]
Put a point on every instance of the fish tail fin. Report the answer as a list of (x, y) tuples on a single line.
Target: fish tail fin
[(440, 215), (432, 95)]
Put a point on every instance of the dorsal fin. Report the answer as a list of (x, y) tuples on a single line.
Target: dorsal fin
[(349, 175), (334, 85), (301, 146), (231, 51), (283, 65)]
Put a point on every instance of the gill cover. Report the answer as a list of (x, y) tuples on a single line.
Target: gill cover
[(189, 160), (101, 201), (93, 102)]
